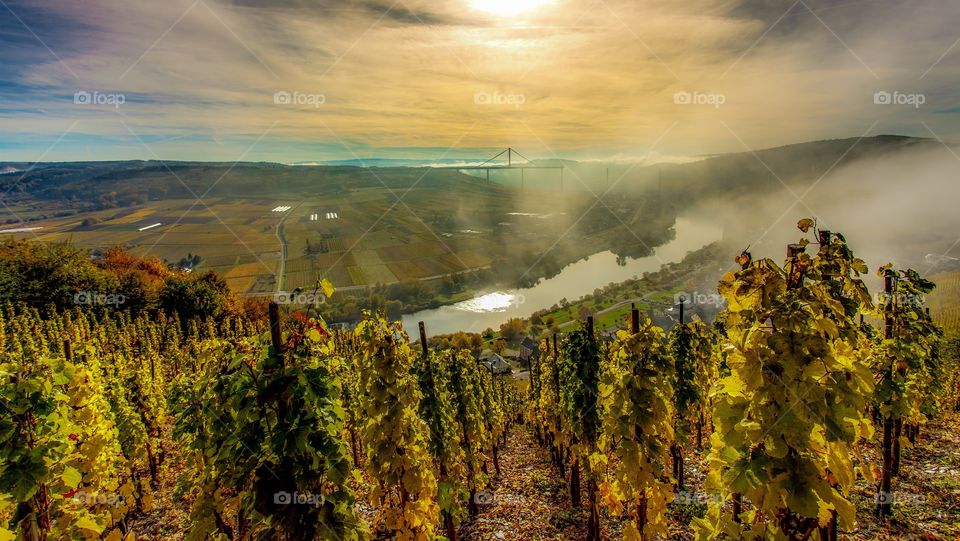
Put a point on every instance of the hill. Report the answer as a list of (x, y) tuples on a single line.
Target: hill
[(944, 302)]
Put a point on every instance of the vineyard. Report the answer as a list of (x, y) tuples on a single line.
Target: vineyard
[(769, 423)]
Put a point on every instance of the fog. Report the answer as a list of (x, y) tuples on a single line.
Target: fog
[(895, 208)]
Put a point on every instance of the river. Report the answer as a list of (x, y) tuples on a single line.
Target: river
[(491, 309)]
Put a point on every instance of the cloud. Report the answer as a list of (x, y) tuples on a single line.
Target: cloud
[(596, 79)]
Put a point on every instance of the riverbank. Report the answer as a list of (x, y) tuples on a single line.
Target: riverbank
[(583, 277)]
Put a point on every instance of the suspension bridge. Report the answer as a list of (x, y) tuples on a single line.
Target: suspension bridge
[(496, 163)]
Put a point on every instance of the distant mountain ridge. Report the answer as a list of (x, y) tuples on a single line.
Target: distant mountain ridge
[(391, 162), (121, 183)]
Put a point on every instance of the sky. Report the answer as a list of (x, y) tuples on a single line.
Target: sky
[(311, 80)]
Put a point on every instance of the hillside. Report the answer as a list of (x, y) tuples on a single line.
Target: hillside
[(268, 228), (362, 227), (111, 184), (944, 302), (86, 185)]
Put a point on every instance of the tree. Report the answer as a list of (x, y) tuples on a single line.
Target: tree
[(513, 329), (41, 274), (202, 296)]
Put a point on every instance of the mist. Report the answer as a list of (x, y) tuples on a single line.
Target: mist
[(896, 208)]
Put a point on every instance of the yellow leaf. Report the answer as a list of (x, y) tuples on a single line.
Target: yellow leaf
[(846, 514), (71, 477), (86, 523), (327, 287), (147, 501)]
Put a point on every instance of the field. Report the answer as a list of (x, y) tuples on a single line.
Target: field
[(234, 236), (356, 237), (943, 302)]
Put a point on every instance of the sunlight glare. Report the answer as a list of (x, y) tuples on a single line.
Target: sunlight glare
[(508, 8), (491, 302)]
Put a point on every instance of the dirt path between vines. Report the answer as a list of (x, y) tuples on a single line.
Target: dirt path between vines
[(531, 501)]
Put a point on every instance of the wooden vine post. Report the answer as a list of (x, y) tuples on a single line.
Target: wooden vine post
[(642, 506), (829, 532), (593, 528), (275, 338), (560, 454), (884, 507)]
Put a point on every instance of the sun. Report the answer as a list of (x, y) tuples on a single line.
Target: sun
[(508, 8)]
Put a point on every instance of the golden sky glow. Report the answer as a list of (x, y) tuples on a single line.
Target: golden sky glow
[(555, 77), (509, 8)]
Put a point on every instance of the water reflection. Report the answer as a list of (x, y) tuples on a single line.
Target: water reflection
[(498, 301)]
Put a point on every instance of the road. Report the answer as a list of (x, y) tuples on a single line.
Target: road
[(284, 249)]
